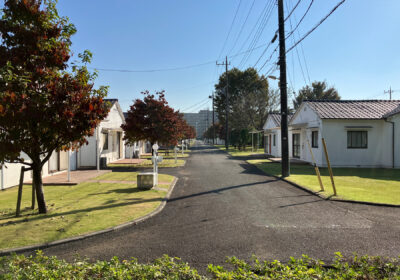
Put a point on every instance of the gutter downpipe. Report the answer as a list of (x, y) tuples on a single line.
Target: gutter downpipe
[(392, 141)]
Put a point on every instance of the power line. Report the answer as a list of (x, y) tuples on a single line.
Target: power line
[(269, 59), (187, 108), (200, 106), (295, 28), (291, 12), (265, 18), (230, 28), (276, 32), (154, 70), (316, 26), (241, 29), (301, 45), (297, 52), (174, 68), (254, 27)]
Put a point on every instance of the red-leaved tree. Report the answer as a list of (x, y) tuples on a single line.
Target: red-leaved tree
[(152, 119), (43, 108)]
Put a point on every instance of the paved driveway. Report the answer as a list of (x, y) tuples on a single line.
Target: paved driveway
[(223, 207)]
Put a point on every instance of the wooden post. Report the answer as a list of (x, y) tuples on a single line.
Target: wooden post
[(316, 167), (21, 183), (329, 167)]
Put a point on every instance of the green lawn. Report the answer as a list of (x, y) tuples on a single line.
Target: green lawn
[(362, 184), (74, 210), (242, 153), (148, 164)]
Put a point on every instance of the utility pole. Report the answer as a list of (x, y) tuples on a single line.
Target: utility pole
[(283, 86), (213, 118), (207, 124), (390, 91), (226, 101)]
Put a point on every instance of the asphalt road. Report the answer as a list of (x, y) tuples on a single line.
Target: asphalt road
[(223, 207)]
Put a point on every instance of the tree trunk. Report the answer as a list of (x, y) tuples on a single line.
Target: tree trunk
[(37, 182)]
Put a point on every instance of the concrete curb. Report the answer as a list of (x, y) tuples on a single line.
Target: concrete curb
[(84, 236), (329, 198)]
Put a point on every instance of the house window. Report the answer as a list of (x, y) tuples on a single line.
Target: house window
[(314, 139), (357, 139), (105, 145), (274, 140)]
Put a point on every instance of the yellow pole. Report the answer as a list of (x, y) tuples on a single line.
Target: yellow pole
[(316, 167), (329, 167)]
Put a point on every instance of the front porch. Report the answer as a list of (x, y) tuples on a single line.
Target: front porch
[(291, 160)]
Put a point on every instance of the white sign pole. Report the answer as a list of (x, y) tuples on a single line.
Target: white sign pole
[(175, 150), (69, 166), (182, 147), (155, 168)]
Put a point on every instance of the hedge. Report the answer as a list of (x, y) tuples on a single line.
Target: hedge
[(44, 267)]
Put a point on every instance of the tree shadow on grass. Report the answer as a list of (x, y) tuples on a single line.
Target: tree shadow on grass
[(384, 174), (123, 190), (40, 217)]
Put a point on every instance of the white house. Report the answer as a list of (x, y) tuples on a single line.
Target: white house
[(107, 142), (358, 133), (272, 134)]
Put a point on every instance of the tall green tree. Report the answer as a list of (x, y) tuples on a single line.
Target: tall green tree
[(43, 108), (250, 99), (317, 91)]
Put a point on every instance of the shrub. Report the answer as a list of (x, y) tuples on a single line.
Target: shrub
[(44, 267)]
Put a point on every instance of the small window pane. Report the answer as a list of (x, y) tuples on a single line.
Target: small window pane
[(314, 139), (357, 139)]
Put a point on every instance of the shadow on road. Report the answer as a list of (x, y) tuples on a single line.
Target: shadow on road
[(220, 190)]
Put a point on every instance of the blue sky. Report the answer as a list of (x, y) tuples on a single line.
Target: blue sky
[(355, 49)]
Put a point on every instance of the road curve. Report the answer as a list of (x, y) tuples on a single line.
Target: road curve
[(223, 207)]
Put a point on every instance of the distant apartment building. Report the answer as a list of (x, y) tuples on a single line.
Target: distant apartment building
[(200, 121)]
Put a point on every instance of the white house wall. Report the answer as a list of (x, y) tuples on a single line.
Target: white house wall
[(112, 125), (377, 153), (304, 122), (113, 121), (11, 172), (275, 149)]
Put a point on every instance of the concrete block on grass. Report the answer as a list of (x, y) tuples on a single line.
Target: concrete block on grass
[(146, 181)]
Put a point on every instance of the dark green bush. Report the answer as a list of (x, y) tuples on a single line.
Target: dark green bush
[(43, 267)]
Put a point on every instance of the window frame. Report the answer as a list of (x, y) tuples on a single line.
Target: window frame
[(314, 142), (105, 143), (274, 140), (351, 145)]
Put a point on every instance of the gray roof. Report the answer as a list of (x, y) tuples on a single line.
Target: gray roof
[(276, 118), (353, 109), (394, 112)]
